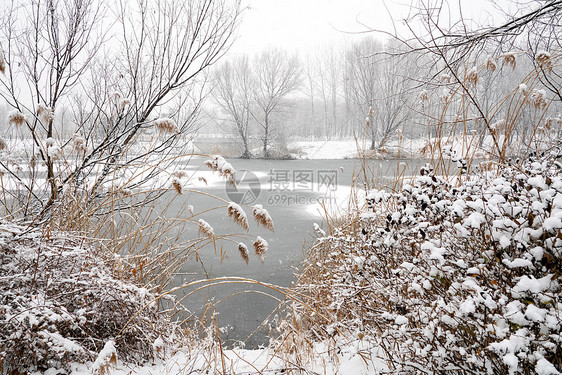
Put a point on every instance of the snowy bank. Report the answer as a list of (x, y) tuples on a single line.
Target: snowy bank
[(62, 302), (448, 278)]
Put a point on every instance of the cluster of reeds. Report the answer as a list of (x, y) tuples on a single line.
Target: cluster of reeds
[(438, 271), (224, 168), (45, 113), (136, 228), (16, 118), (498, 109), (163, 124)]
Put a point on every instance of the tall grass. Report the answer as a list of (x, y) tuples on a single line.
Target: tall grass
[(356, 279), (142, 228)]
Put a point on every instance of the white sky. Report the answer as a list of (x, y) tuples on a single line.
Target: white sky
[(306, 24)]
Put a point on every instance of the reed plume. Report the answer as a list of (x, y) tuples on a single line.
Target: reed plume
[(260, 247), (176, 184), (509, 59), (16, 118), (238, 215), (166, 125), (262, 217), (2, 64), (543, 59), (45, 113), (244, 253), (206, 229)]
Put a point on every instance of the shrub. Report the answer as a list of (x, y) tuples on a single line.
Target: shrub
[(59, 303), (450, 278)]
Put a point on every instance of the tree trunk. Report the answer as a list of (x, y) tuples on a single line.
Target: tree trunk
[(266, 136)]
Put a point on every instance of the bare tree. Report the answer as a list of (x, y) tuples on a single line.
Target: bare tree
[(324, 72), (534, 29), (49, 46), (131, 88), (378, 88), (362, 76), (233, 93), (391, 110), (278, 75)]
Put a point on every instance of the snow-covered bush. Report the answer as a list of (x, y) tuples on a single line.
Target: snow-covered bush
[(59, 303), (450, 278)]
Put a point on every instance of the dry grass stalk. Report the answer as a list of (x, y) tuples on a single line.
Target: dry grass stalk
[(238, 215), (509, 59), (472, 76), (3, 144), (262, 217), (491, 65), (244, 253), (179, 174), (206, 229), (176, 184), (16, 118), (260, 247), (538, 99), (2, 64), (78, 143), (543, 58), (45, 113), (166, 125)]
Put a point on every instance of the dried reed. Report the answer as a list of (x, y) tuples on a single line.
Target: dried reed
[(238, 215), (206, 229), (176, 184), (2, 64), (16, 118), (45, 113), (509, 59), (244, 253), (166, 125), (260, 247), (262, 217)]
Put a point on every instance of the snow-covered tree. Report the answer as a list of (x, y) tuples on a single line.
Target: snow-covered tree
[(278, 74), (51, 56)]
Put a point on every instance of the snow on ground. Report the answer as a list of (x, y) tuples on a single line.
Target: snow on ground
[(352, 359), (326, 149), (406, 148)]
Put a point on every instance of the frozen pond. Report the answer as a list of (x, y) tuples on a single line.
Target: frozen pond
[(290, 191)]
